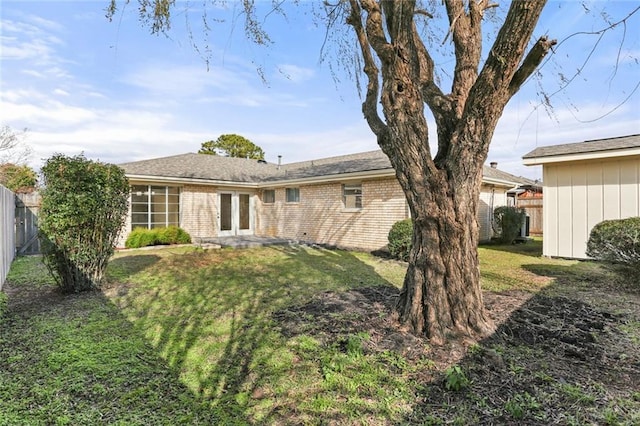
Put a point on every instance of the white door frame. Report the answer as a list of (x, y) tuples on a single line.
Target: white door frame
[(235, 212)]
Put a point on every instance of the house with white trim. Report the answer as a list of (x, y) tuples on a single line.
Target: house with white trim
[(349, 201), (583, 184)]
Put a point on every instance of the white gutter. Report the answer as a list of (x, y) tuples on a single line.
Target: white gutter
[(598, 155), (328, 178), (163, 179), (493, 181), (382, 173)]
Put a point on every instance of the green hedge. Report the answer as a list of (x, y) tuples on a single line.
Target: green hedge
[(142, 237), (400, 238), (617, 242), (84, 206)]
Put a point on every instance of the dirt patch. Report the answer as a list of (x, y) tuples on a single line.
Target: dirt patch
[(552, 358), (332, 315)]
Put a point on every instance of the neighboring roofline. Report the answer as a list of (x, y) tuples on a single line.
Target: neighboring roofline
[(583, 156), (506, 183)]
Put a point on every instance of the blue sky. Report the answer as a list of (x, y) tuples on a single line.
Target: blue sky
[(115, 92)]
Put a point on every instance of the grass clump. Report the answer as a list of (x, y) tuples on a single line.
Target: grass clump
[(3, 304), (142, 237)]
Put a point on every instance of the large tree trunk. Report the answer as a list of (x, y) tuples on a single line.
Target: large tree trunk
[(441, 297)]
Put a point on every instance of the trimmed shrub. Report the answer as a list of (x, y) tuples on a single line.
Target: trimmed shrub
[(617, 242), (173, 235), (509, 221), (400, 238), (84, 206), (142, 237)]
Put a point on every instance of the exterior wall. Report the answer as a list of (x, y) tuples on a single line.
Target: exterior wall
[(199, 210), (320, 217), (490, 198), (578, 195)]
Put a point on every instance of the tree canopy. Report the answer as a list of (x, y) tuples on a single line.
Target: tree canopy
[(18, 178), (232, 145)]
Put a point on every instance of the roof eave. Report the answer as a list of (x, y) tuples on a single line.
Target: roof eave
[(337, 177), (583, 156), (194, 181), (500, 182)]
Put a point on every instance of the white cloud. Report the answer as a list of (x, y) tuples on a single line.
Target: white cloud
[(295, 73), (60, 92)]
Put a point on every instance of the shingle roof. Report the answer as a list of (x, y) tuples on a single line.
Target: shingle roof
[(353, 163), (599, 145), (227, 169), (490, 172), (202, 166)]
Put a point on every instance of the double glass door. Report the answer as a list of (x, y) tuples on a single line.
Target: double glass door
[(235, 213)]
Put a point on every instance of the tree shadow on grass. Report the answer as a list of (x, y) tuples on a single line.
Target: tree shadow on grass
[(123, 267), (75, 359), (209, 314), (559, 358)]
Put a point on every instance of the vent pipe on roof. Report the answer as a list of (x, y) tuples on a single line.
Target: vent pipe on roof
[(493, 164), (279, 161)]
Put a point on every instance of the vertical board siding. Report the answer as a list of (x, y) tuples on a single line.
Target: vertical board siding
[(565, 204), (579, 195), (7, 229), (579, 229), (550, 212)]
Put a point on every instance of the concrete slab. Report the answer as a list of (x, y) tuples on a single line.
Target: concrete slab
[(245, 241)]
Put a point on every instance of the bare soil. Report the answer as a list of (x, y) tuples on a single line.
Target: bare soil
[(552, 360)]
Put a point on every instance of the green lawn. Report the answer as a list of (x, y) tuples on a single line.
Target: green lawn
[(191, 336)]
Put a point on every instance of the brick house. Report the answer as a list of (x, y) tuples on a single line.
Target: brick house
[(349, 201)]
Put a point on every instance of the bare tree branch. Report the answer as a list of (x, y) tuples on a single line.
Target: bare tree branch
[(370, 104), (12, 148), (530, 63)]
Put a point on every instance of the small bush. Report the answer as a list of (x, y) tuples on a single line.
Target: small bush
[(617, 242), (509, 221), (173, 235), (400, 237), (142, 237)]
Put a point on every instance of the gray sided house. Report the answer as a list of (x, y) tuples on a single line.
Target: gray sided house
[(585, 183), (349, 201)]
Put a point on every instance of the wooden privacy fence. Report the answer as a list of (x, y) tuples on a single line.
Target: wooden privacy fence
[(7, 232), (533, 209), (27, 208)]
